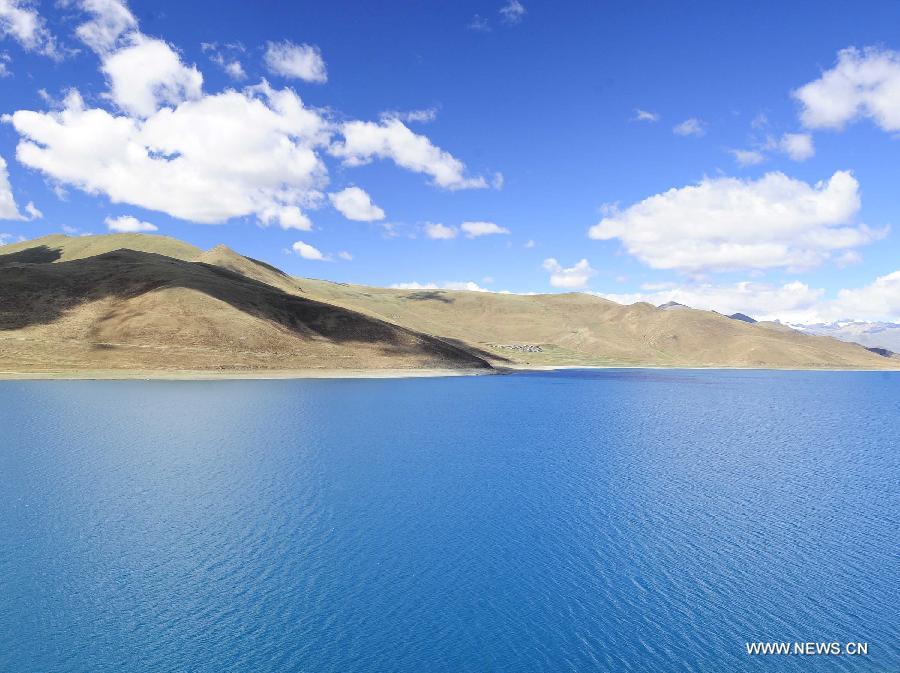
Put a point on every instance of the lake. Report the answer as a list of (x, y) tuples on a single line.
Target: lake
[(605, 520)]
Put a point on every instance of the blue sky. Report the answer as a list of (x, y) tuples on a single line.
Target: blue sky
[(733, 157)]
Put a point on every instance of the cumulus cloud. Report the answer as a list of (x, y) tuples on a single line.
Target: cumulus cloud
[(475, 229), (863, 83), (306, 251), (127, 224), (33, 212), (20, 21), (727, 223), (301, 61), (879, 300), (391, 139), (147, 74), (163, 144), (439, 232), (226, 155), (110, 19), (690, 127), (573, 277), (512, 12), (355, 204), (645, 116), (8, 208)]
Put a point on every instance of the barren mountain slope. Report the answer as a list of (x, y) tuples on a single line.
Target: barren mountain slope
[(136, 310), (163, 304), (577, 328)]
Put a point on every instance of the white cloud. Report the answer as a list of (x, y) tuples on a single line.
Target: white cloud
[(573, 277), (530, 243), (344, 255), (127, 224), (475, 229), (163, 144), (301, 61), (355, 204), (33, 212), (423, 116), (235, 70), (391, 139), (878, 301), (512, 12), (469, 286), (727, 223), (226, 155), (439, 232), (863, 83), (147, 74), (287, 217), (307, 251), (497, 181), (110, 20), (230, 64), (6, 239), (8, 208), (20, 21), (645, 116), (4, 69), (690, 127), (748, 157), (798, 146)]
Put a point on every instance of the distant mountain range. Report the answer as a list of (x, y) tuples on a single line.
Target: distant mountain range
[(885, 335), (144, 303)]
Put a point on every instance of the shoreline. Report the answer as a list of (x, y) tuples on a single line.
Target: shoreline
[(299, 374), (236, 374)]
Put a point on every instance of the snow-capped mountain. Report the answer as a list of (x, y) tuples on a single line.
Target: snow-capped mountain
[(870, 334)]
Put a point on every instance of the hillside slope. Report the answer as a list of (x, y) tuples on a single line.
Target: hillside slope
[(130, 309), (151, 302), (577, 328)]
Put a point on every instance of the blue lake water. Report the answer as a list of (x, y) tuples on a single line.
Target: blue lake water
[(569, 521)]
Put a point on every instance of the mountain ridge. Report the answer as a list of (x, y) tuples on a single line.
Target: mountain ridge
[(151, 303)]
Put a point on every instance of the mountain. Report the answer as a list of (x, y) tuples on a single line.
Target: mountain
[(883, 335), (130, 309), (147, 303), (671, 306), (742, 317)]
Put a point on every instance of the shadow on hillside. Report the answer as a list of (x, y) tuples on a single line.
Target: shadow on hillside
[(40, 254), (431, 295), (41, 294)]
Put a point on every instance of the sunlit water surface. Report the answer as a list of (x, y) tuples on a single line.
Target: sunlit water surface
[(570, 521)]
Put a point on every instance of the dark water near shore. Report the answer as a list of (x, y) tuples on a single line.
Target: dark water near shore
[(571, 521)]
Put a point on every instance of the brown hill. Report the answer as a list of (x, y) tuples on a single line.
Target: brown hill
[(582, 329), (135, 310), (139, 302)]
